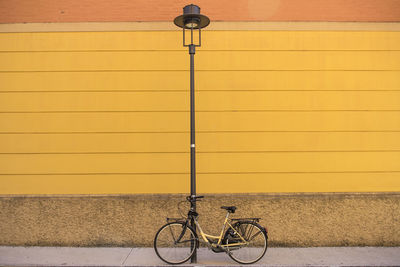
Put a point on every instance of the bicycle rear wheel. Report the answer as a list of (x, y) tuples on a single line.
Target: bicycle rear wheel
[(174, 243), (256, 246)]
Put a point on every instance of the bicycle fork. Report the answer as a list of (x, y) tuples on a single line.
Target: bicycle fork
[(182, 234)]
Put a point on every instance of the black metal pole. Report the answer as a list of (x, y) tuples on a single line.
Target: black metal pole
[(192, 51)]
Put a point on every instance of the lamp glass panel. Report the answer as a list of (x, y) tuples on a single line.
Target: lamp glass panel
[(188, 36)]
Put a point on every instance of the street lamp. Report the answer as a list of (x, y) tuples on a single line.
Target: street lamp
[(192, 21)]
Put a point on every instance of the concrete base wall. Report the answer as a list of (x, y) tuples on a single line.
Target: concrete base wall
[(132, 220)]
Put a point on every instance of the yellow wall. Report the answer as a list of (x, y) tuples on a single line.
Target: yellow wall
[(277, 111)]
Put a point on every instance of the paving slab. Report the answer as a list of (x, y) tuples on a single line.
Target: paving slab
[(62, 256), (285, 257)]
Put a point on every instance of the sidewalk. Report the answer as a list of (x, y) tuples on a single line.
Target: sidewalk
[(65, 256)]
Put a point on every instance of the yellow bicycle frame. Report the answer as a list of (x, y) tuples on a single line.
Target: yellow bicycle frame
[(219, 238)]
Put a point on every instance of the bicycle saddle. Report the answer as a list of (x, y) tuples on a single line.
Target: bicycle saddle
[(230, 209)]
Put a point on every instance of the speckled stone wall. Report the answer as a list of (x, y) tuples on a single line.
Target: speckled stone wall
[(132, 220)]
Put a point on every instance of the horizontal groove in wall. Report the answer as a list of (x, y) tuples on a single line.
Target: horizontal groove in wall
[(201, 173), (187, 91), (197, 152), (205, 50), (136, 132), (199, 70), (197, 111), (184, 52), (187, 111)]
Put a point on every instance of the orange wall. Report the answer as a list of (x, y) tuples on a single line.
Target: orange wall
[(19, 11)]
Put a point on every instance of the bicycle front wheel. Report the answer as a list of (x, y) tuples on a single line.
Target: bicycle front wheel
[(256, 243), (174, 243)]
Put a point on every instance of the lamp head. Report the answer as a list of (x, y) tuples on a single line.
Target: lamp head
[(191, 18)]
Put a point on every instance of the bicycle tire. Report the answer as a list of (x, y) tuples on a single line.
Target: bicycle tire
[(166, 247), (256, 237)]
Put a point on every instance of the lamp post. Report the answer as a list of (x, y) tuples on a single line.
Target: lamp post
[(192, 21)]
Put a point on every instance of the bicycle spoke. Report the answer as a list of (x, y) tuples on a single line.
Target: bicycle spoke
[(249, 233), (172, 234), (185, 241), (254, 236)]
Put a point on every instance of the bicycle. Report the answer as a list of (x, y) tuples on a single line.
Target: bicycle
[(243, 239)]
